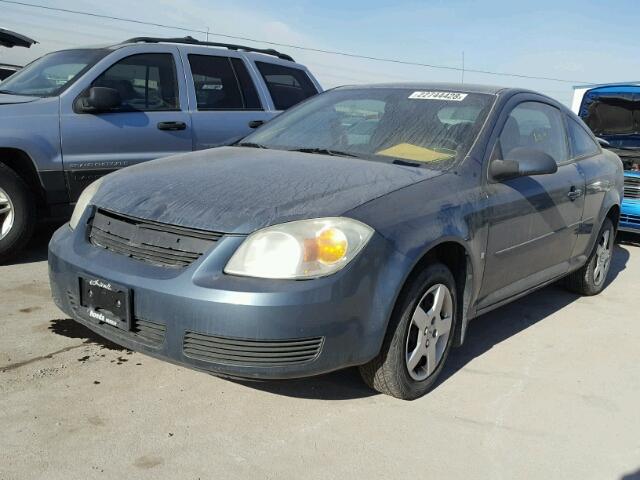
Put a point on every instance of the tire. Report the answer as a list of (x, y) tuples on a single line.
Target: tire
[(390, 371), (19, 213), (591, 278)]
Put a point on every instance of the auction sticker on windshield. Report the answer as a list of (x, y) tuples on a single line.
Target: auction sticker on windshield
[(450, 96)]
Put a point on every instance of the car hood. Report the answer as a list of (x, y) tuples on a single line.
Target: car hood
[(6, 99), (239, 189)]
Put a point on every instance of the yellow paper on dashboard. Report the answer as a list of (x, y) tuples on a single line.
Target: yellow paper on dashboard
[(416, 153)]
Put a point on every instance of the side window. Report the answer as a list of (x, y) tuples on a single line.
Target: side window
[(582, 144), (215, 82), (145, 82), (249, 93), (287, 86), (535, 125)]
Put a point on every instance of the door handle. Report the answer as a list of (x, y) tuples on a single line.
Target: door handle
[(255, 123), (574, 193), (172, 126)]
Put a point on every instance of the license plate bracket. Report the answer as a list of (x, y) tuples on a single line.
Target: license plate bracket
[(106, 302)]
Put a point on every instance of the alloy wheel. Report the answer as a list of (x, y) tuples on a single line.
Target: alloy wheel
[(603, 257), (429, 332), (7, 214)]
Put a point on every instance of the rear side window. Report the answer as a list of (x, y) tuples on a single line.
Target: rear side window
[(145, 82), (215, 83), (287, 86), (535, 125), (251, 100), (582, 144)]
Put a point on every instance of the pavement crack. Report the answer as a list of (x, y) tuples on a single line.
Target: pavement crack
[(13, 366)]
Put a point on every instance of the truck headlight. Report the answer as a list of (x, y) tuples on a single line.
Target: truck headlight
[(301, 249), (83, 202)]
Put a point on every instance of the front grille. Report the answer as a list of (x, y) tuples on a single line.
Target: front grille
[(631, 187), (143, 331), (150, 242), (632, 219), (235, 351)]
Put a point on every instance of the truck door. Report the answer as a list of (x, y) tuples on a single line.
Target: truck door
[(223, 97), (151, 122)]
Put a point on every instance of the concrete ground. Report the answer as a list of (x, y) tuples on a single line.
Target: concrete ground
[(547, 387)]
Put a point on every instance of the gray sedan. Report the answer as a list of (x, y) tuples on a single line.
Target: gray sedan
[(364, 227)]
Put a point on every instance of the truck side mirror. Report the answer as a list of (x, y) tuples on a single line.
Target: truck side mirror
[(100, 99)]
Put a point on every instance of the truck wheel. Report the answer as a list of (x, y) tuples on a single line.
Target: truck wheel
[(419, 337), (17, 213), (591, 278)]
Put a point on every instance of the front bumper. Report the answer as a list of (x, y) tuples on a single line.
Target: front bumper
[(630, 216), (234, 326)]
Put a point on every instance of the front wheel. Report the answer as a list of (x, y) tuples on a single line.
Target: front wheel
[(17, 213), (591, 278), (419, 337)]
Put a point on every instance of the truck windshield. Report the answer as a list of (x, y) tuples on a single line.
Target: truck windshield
[(407, 126), (51, 74)]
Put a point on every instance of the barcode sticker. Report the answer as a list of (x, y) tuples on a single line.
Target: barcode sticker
[(448, 96)]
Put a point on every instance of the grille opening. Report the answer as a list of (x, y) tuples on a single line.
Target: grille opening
[(632, 187), (150, 242), (235, 351)]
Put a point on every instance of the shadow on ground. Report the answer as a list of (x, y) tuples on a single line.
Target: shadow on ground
[(72, 329), (36, 249)]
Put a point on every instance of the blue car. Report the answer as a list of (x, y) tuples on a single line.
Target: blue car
[(364, 227), (611, 111)]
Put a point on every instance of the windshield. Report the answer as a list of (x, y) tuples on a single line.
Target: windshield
[(418, 128), (52, 73)]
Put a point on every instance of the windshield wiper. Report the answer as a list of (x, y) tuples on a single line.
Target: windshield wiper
[(324, 151), (250, 145), (8, 92)]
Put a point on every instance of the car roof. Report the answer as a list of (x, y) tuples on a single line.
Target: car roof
[(445, 86)]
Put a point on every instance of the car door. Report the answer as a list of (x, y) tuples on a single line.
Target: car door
[(225, 102), (152, 120), (533, 220)]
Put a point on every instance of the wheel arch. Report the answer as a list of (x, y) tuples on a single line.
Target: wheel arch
[(455, 255), (22, 164)]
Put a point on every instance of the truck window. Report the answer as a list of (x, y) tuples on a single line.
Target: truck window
[(146, 82), (251, 100), (215, 83), (287, 86)]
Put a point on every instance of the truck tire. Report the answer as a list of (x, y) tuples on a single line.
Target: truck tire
[(419, 337), (17, 213), (591, 278)]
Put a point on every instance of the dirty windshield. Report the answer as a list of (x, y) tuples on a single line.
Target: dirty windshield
[(402, 125)]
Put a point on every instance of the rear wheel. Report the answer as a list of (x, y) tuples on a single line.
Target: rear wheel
[(17, 213), (419, 337), (591, 278)]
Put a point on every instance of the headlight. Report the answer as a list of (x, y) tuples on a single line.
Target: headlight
[(83, 202), (302, 249)]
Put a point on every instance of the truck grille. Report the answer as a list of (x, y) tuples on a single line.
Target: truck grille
[(630, 219), (234, 351), (150, 242), (632, 187)]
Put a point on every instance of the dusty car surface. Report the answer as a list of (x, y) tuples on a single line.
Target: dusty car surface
[(364, 227)]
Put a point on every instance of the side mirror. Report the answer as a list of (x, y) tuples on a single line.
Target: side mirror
[(523, 162), (100, 99), (603, 143)]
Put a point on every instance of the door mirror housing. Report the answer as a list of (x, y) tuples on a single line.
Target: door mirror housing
[(523, 162), (100, 99), (603, 143)]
